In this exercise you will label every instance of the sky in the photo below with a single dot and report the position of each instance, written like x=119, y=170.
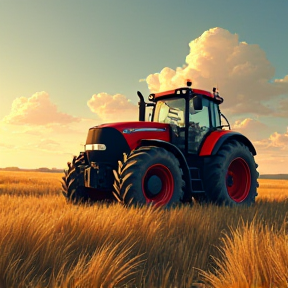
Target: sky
x=66, y=66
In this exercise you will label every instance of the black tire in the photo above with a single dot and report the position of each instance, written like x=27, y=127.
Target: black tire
x=150, y=175
x=230, y=177
x=73, y=182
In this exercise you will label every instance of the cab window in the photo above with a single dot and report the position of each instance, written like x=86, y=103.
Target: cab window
x=199, y=125
x=171, y=111
x=216, y=115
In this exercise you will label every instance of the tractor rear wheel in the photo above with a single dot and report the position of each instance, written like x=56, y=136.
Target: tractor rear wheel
x=150, y=175
x=230, y=177
x=73, y=183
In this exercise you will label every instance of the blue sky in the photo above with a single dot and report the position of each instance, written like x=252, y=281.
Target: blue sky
x=75, y=49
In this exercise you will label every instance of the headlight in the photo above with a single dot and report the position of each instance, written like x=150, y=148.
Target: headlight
x=89, y=147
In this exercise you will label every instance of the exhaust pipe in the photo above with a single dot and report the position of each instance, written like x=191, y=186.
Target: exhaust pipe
x=142, y=106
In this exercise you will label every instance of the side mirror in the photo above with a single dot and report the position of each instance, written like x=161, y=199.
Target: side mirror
x=197, y=102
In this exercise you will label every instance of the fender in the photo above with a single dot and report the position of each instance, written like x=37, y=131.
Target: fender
x=216, y=139
x=181, y=158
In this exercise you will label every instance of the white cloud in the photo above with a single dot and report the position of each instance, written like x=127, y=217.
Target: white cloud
x=285, y=79
x=241, y=71
x=279, y=140
x=113, y=108
x=251, y=128
x=36, y=110
x=272, y=153
x=271, y=147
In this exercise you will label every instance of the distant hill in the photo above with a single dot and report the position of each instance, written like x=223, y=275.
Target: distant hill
x=43, y=169
x=274, y=176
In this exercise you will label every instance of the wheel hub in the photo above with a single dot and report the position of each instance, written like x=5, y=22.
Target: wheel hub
x=238, y=180
x=158, y=185
x=154, y=185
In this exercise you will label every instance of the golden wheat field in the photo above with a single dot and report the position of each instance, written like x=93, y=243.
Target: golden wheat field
x=45, y=242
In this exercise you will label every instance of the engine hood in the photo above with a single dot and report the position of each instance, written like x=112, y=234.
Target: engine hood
x=135, y=124
x=134, y=132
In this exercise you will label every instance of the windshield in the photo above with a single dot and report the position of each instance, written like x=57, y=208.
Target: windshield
x=170, y=111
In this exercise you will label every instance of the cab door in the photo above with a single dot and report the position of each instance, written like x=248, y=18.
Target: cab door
x=198, y=126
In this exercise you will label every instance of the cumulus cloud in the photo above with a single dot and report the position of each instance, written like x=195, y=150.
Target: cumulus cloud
x=36, y=110
x=241, y=71
x=272, y=155
x=275, y=143
x=251, y=128
x=279, y=140
x=271, y=147
x=285, y=79
x=112, y=108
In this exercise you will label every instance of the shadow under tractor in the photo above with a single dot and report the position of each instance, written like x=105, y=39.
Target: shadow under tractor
x=184, y=153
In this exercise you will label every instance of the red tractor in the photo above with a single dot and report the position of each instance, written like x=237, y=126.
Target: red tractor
x=184, y=152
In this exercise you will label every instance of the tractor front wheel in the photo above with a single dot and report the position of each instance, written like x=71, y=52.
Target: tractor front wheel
x=73, y=185
x=230, y=177
x=150, y=175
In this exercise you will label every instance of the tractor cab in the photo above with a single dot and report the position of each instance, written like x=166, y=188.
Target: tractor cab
x=192, y=114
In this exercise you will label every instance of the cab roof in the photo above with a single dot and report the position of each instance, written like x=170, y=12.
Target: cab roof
x=183, y=91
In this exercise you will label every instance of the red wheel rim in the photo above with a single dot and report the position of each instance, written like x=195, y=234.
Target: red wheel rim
x=238, y=180
x=162, y=174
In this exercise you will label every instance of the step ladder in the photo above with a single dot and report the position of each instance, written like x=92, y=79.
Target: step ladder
x=196, y=181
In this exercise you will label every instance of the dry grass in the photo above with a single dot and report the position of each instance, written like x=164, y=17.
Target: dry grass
x=44, y=242
x=273, y=190
x=29, y=183
x=253, y=256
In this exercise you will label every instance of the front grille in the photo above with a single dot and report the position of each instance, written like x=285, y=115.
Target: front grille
x=115, y=144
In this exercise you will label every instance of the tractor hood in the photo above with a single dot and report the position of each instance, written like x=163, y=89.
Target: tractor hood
x=133, y=132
